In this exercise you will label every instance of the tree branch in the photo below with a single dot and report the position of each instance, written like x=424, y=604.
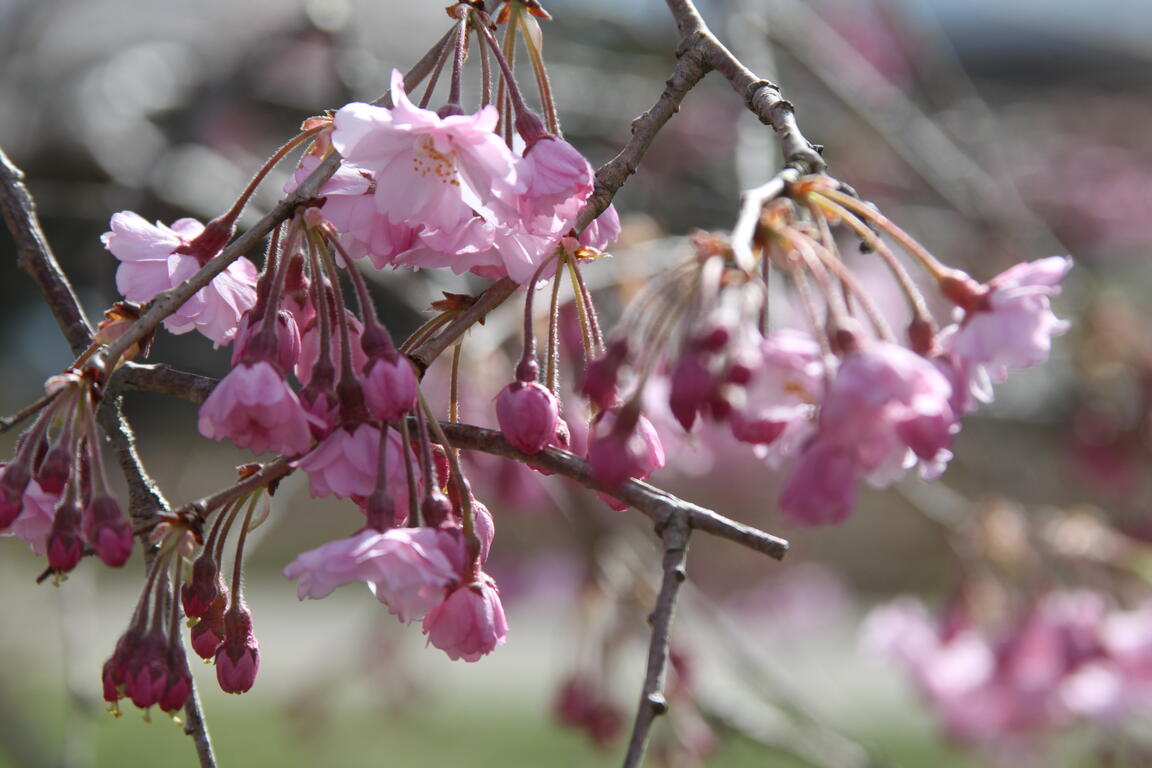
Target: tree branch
x=662, y=507
x=675, y=533
x=37, y=259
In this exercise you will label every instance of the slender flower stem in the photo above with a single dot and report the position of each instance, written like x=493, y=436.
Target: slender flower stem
x=529, y=354
x=535, y=55
x=425, y=331
x=582, y=288
x=909, y=243
x=865, y=233
x=852, y=285
x=518, y=105
x=461, y=49
x=462, y=491
x=279, y=279
x=804, y=292
x=348, y=375
x=582, y=312
x=238, y=207
x=552, y=369
x=323, y=369
x=485, y=69
x=414, y=517
x=454, y=384
x=441, y=61
x=238, y=563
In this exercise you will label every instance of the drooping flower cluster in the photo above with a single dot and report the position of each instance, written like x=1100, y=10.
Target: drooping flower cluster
x=843, y=400
x=54, y=493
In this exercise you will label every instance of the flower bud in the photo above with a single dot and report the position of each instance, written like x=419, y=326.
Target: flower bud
x=390, y=387
x=238, y=657
x=601, y=379
x=65, y=547
x=527, y=413
x=53, y=472
x=198, y=594
x=106, y=530
x=178, y=686
x=208, y=633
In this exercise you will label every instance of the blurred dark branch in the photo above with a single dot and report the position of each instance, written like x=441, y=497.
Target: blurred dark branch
x=674, y=533
x=37, y=259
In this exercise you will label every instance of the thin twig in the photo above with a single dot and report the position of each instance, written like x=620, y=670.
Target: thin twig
x=675, y=533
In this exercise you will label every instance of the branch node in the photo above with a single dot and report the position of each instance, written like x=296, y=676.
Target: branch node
x=657, y=703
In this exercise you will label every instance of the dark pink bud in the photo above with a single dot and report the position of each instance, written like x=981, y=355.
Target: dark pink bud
x=53, y=472
x=624, y=450
x=178, y=686
x=208, y=633
x=527, y=415
x=106, y=530
x=691, y=389
x=115, y=672
x=14, y=479
x=147, y=672
x=238, y=658
x=204, y=588
x=601, y=379
x=390, y=387
x=65, y=547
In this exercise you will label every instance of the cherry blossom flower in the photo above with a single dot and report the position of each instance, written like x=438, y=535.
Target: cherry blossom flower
x=152, y=260
x=1011, y=325
x=786, y=385
x=255, y=408
x=470, y=622
x=886, y=407
x=441, y=173
x=345, y=464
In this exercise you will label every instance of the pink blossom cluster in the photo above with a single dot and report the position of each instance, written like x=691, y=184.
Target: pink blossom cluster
x=419, y=573
x=1073, y=657
x=422, y=190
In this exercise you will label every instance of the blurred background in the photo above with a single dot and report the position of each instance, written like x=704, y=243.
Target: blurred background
x=994, y=132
